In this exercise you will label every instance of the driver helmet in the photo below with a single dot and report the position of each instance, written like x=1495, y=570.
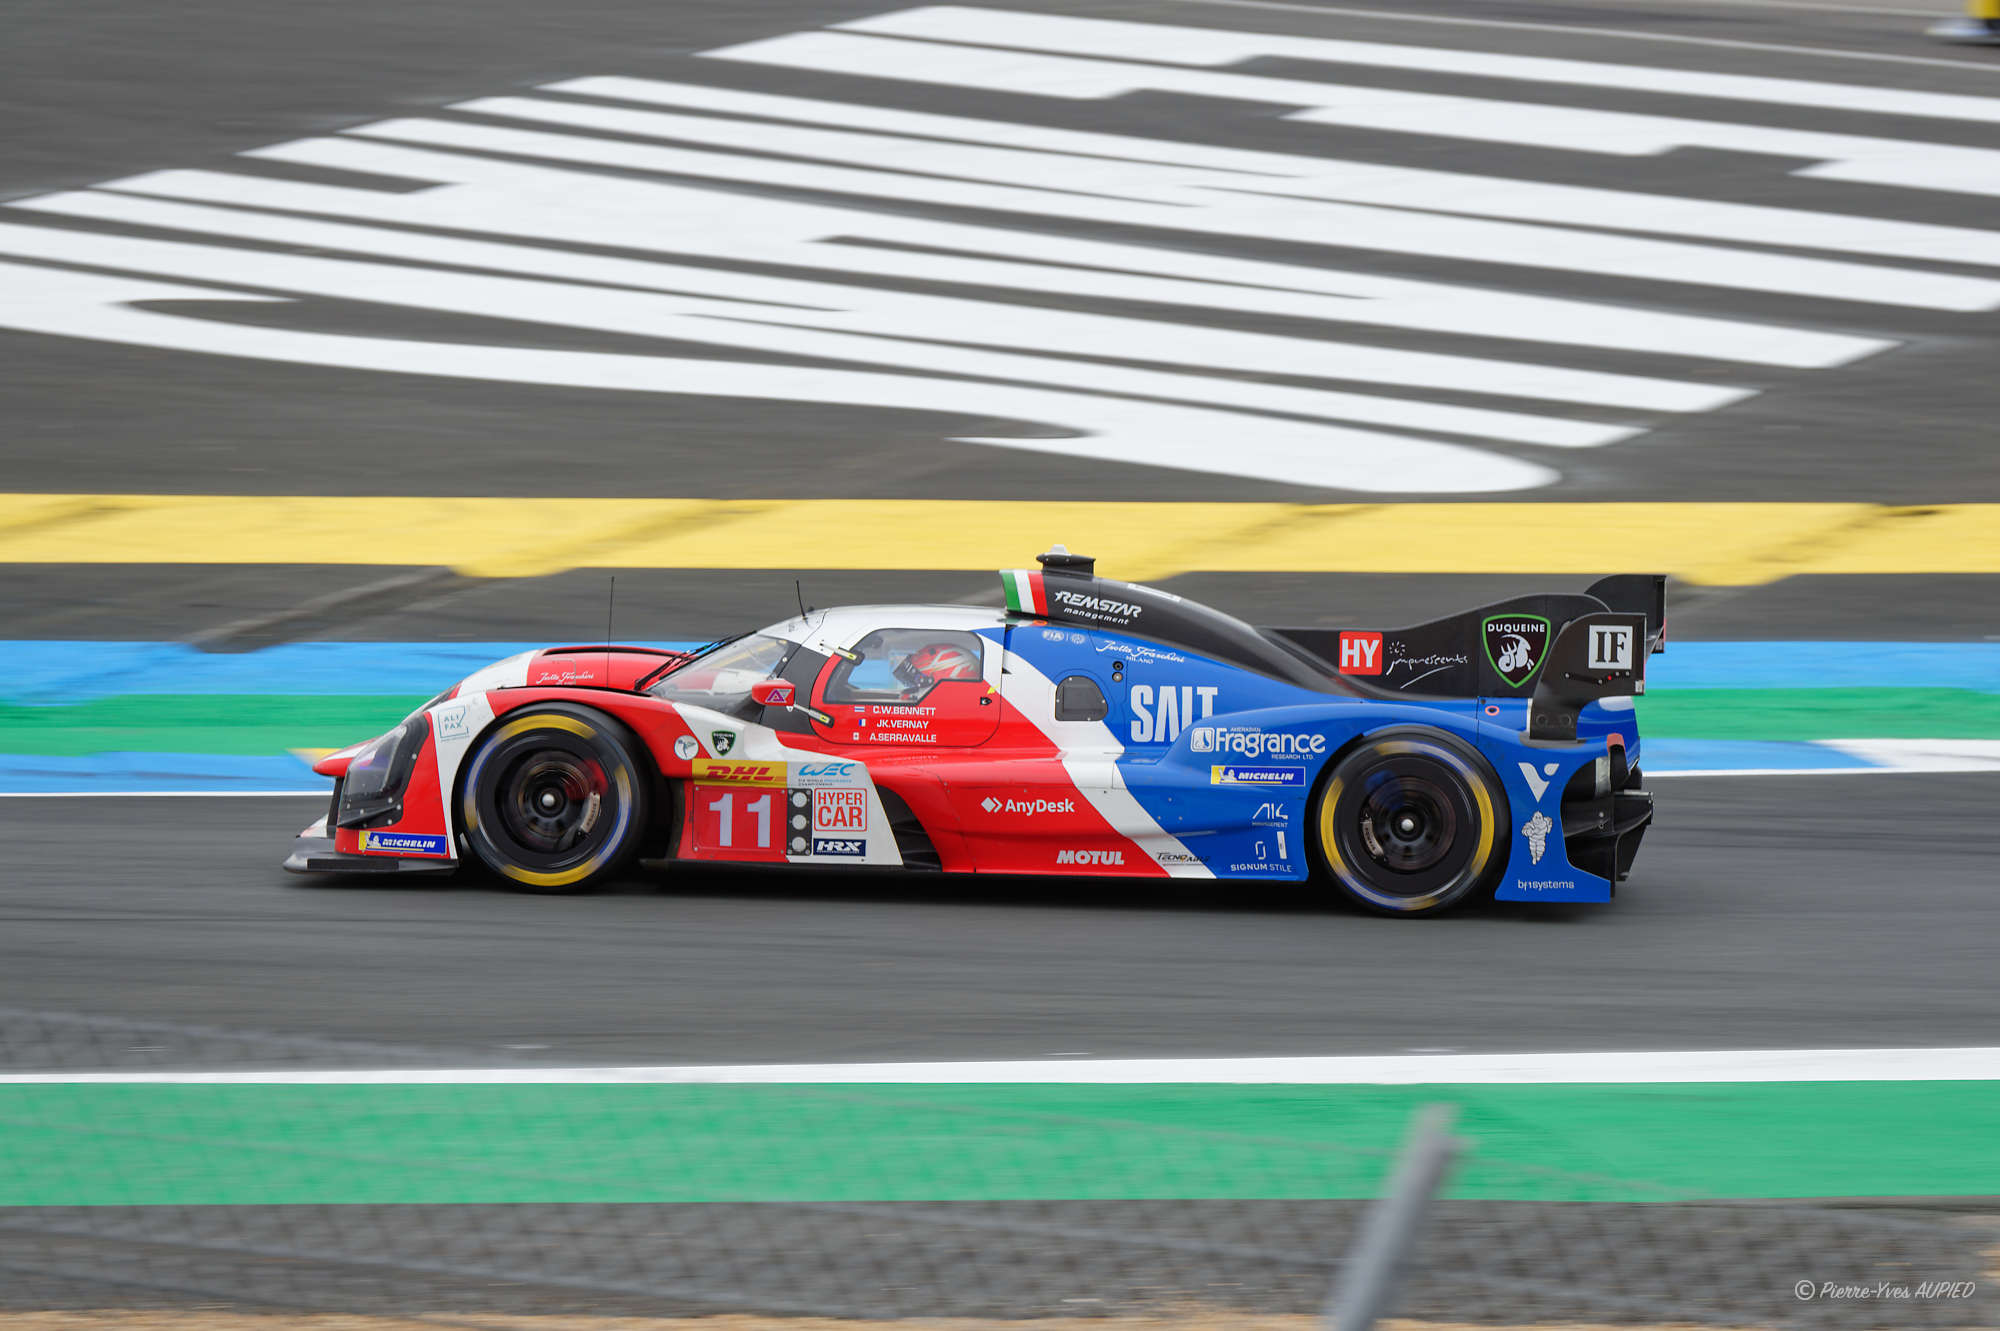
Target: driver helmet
x=936, y=663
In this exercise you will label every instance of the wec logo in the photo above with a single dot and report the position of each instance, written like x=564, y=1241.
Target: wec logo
x=1254, y=743
x=1101, y=857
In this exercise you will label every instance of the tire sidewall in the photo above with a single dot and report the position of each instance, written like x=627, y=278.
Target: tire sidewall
x=608, y=743
x=1341, y=792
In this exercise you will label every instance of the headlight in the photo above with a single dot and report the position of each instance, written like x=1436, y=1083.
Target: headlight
x=375, y=779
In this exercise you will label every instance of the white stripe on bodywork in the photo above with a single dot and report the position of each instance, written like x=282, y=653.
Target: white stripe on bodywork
x=1976, y=1063
x=1089, y=753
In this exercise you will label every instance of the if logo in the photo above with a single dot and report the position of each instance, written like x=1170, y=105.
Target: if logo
x=1610, y=647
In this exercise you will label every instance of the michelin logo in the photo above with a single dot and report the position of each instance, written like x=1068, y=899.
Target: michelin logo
x=401, y=843
x=1537, y=830
x=1252, y=743
x=1257, y=776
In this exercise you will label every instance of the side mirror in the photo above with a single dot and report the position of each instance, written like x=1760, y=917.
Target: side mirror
x=773, y=693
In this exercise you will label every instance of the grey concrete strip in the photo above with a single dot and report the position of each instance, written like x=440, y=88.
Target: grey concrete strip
x=1764, y=913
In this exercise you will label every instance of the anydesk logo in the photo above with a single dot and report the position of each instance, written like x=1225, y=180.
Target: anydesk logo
x=1090, y=857
x=1028, y=808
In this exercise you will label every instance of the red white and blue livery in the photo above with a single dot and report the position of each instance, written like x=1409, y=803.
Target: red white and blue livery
x=1089, y=728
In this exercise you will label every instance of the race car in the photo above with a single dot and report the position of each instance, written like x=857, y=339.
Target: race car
x=1087, y=728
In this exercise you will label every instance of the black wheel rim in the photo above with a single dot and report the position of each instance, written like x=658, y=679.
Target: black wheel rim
x=1406, y=830
x=1407, y=823
x=551, y=802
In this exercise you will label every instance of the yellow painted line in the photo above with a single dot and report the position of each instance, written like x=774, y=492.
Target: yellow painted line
x=1724, y=543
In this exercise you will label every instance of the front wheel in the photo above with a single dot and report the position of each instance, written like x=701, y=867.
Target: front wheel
x=1409, y=822
x=553, y=800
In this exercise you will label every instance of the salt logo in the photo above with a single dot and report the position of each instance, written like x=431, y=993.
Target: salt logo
x=1158, y=717
x=1360, y=653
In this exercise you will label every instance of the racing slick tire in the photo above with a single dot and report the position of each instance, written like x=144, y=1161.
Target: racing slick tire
x=554, y=799
x=1408, y=822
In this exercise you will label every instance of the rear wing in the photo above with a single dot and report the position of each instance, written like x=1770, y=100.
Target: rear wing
x=1561, y=648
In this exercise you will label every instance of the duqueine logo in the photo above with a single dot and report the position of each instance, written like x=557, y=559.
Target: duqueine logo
x=723, y=741
x=1515, y=645
x=1090, y=857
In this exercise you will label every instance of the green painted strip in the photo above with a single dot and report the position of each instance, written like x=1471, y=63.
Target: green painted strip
x=99, y=1144
x=198, y=723
x=273, y=723
x=1820, y=714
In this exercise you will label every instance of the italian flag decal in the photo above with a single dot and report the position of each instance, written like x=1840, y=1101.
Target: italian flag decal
x=1024, y=591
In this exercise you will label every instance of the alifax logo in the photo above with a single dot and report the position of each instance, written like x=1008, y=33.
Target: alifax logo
x=1254, y=743
x=1097, y=857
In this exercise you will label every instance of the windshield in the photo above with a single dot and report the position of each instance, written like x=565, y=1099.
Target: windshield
x=720, y=680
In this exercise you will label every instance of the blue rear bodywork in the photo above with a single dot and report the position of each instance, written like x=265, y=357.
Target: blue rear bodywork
x=1228, y=759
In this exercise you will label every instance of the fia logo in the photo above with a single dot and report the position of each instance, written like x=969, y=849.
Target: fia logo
x=1610, y=647
x=1159, y=716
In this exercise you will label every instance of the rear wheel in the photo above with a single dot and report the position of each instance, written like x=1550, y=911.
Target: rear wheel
x=553, y=799
x=1409, y=822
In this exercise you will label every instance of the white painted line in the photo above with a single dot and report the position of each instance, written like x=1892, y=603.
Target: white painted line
x=1923, y=755
x=1903, y=163
x=1201, y=174
x=1172, y=44
x=1124, y=430
x=1980, y=1063
x=161, y=794
x=1583, y=30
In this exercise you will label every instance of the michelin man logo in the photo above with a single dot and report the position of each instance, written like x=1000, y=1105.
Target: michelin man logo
x=1537, y=830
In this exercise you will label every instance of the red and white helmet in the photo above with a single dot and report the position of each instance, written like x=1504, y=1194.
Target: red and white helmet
x=941, y=661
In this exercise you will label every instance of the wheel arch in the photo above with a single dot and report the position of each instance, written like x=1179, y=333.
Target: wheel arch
x=1495, y=790
x=663, y=801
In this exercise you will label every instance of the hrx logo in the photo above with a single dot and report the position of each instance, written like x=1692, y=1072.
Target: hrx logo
x=1090, y=857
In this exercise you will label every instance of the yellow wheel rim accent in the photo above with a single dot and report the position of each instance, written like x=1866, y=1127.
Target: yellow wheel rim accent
x=1489, y=826
x=559, y=877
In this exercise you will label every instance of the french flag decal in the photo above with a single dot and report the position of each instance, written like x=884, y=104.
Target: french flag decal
x=1024, y=591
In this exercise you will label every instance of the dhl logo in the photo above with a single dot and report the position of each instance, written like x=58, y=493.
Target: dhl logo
x=714, y=771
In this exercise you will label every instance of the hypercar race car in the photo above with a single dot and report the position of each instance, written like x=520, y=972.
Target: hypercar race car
x=1090, y=728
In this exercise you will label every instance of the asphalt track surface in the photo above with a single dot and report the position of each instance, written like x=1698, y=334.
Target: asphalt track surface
x=1763, y=913
x=1849, y=910
x=99, y=89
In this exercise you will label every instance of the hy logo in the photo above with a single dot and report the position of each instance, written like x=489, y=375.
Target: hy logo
x=1539, y=784
x=723, y=740
x=1515, y=644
